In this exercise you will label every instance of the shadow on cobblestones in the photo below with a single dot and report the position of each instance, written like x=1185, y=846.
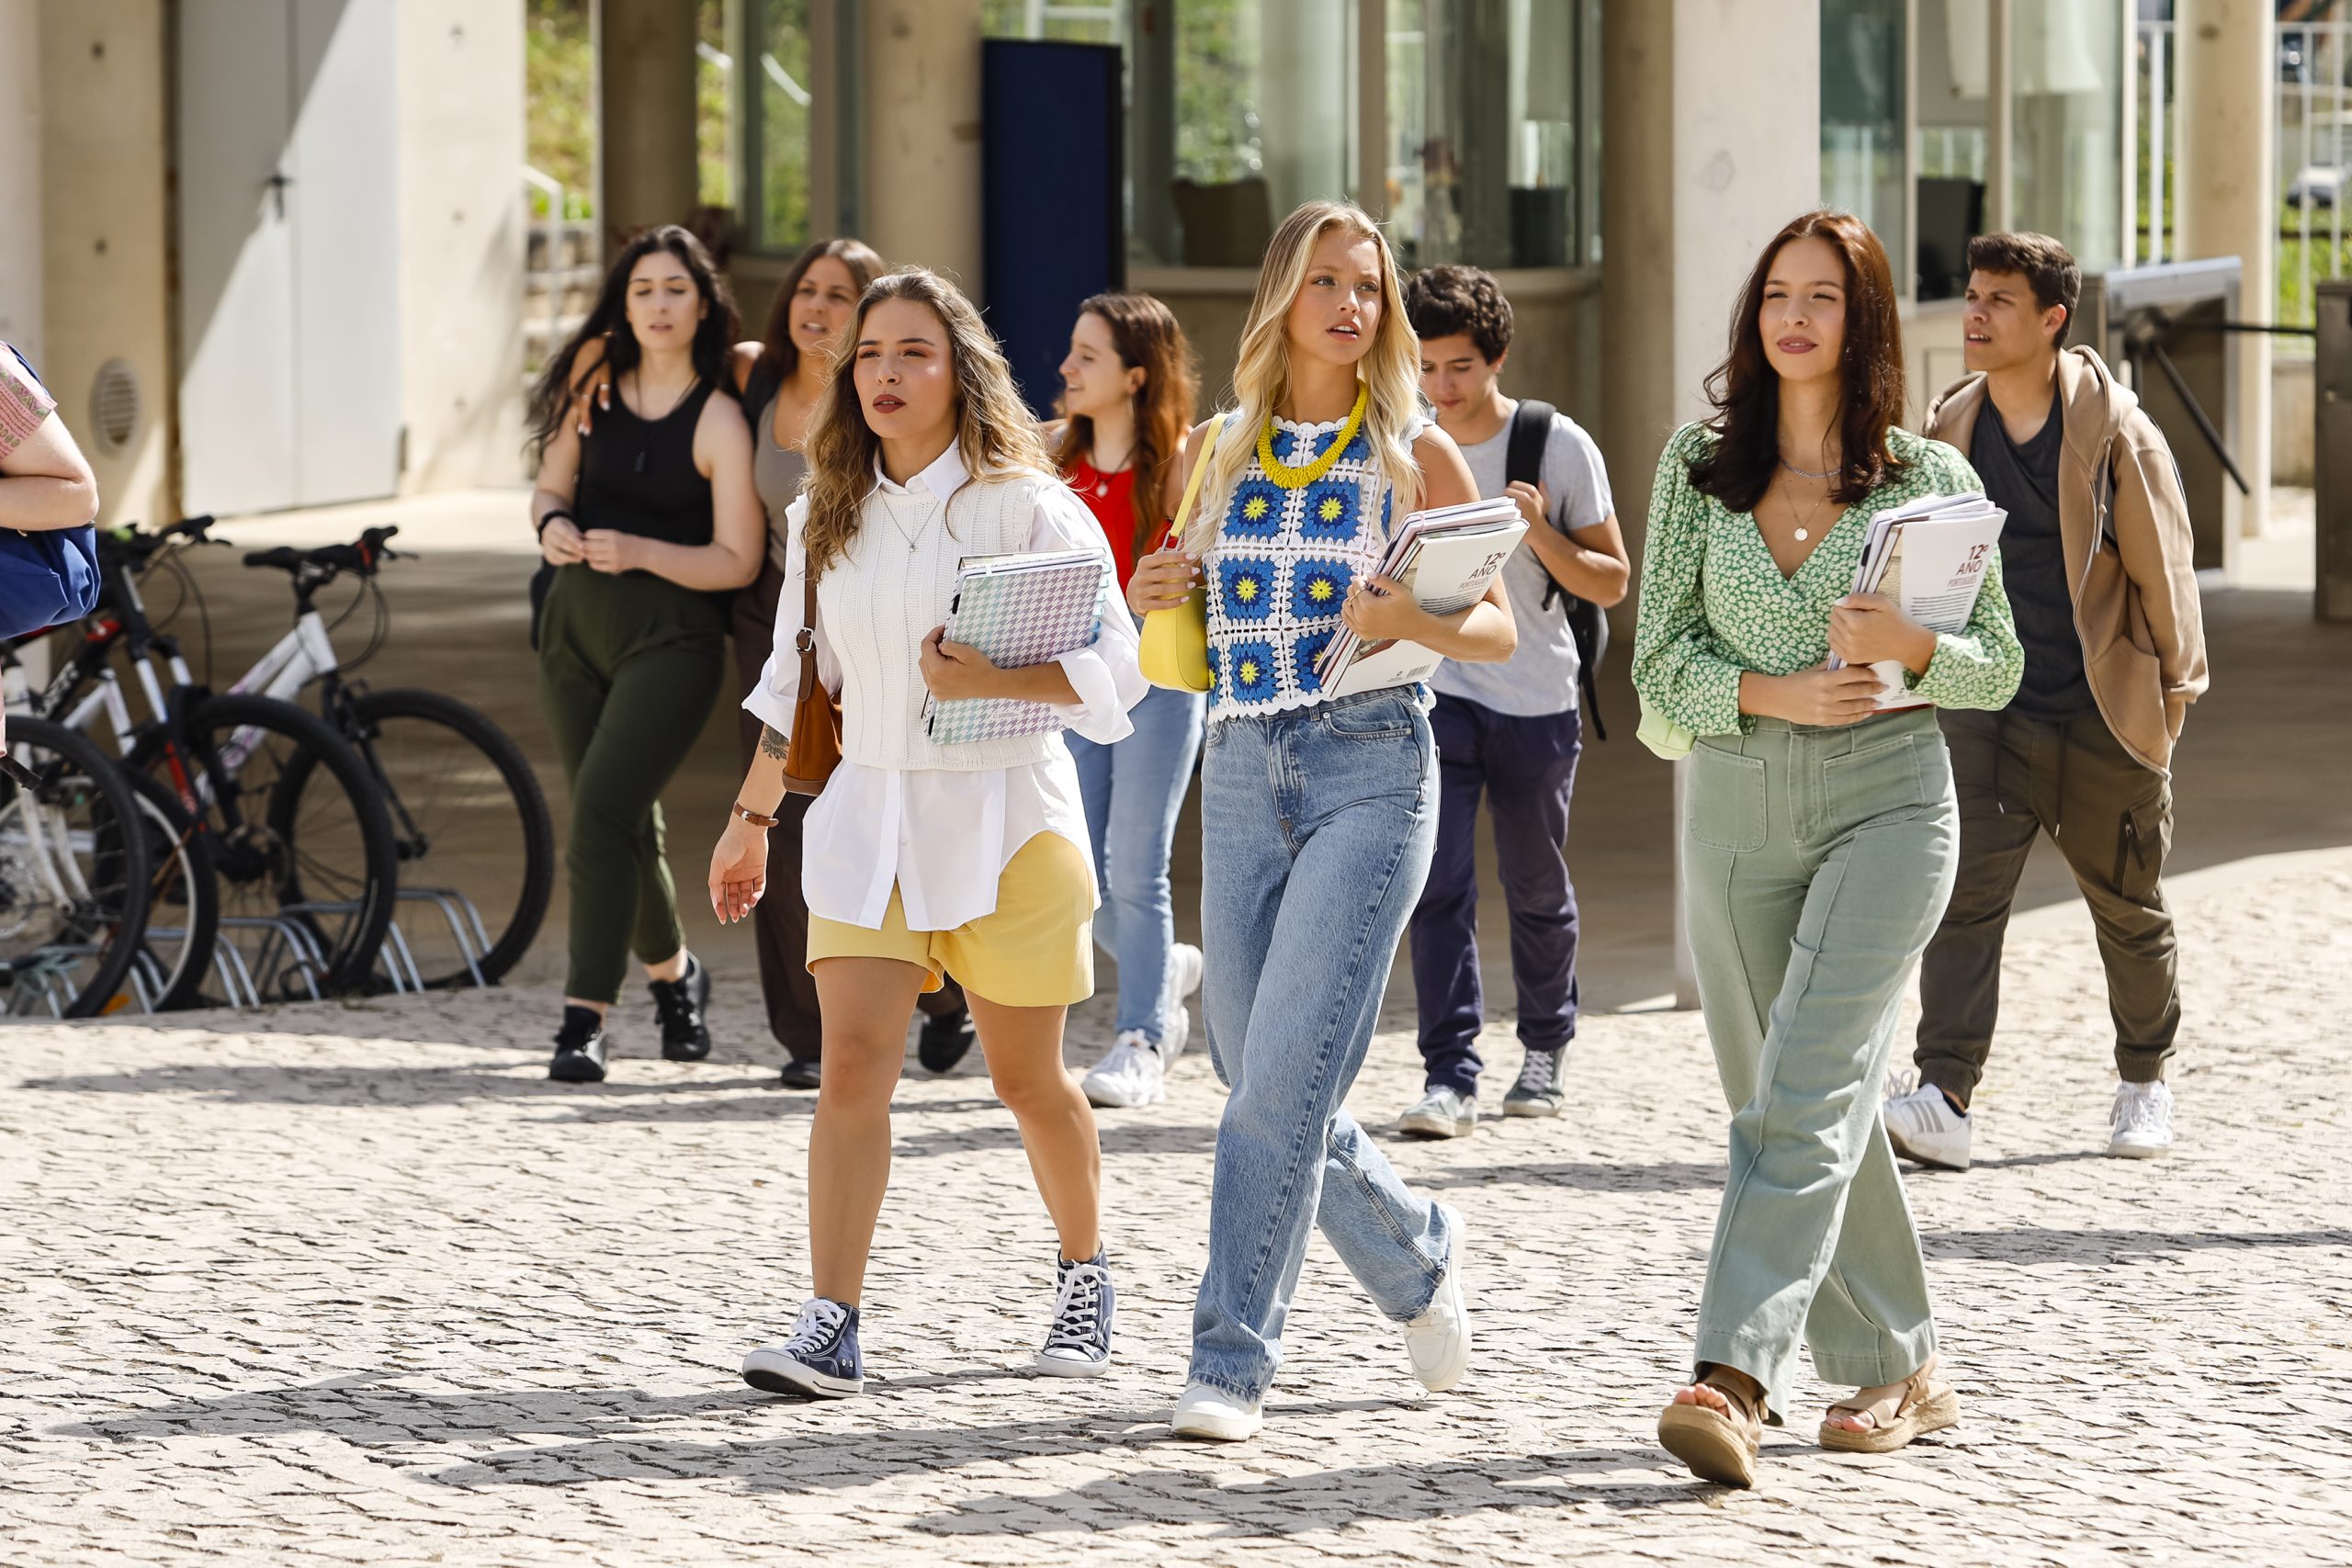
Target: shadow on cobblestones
x=1328, y=1500
x=2106, y=1246
x=1667, y=1177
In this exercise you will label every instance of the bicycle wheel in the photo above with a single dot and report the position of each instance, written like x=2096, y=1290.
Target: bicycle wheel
x=464, y=804
x=183, y=917
x=301, y=846
x=73, y=874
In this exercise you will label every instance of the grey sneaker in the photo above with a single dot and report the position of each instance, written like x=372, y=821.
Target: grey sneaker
x=1537, y=1092
x=1441, y=1114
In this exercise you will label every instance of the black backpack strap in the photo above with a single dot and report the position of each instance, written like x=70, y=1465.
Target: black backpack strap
x=1530, y=427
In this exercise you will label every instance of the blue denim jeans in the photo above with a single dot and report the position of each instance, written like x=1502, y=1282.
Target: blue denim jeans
x=1133, y=792
x=1316, y=827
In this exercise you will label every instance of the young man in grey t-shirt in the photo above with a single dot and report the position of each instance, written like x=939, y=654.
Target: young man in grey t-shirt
x=1510, y=731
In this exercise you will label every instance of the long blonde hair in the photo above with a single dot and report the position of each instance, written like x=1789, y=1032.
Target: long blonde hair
x=1391, y=367
x=994, y=429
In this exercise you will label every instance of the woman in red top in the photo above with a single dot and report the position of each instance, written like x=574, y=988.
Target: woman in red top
x=1128, y=393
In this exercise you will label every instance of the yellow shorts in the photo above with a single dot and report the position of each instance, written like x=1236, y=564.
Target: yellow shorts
x=1035, y=950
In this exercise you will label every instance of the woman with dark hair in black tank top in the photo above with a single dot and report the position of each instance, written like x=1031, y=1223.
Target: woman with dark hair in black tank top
x=649, y=520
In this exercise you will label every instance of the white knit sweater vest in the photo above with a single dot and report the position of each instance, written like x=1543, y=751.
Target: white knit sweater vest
x=877, y=604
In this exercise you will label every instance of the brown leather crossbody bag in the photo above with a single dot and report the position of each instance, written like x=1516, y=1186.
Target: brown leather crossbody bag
x=815, y=750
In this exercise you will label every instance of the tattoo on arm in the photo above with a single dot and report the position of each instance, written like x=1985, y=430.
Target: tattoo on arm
x=773, y=744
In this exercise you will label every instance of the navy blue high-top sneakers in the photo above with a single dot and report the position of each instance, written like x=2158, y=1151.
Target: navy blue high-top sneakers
x=1078, y=1342
x=819, y=1359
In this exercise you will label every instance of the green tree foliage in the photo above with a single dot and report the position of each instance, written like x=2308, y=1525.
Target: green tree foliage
x=559, y=84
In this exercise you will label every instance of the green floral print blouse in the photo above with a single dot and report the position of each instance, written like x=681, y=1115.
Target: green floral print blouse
x=1714, y=605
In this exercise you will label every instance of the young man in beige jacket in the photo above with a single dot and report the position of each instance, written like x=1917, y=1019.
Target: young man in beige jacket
x=2097, y=559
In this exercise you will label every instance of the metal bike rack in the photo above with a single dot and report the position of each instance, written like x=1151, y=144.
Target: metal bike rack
x=473, y=944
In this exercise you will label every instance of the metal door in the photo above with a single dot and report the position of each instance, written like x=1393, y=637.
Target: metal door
x=289, y=238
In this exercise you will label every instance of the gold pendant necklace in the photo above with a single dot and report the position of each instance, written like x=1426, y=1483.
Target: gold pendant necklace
x=1299, y=477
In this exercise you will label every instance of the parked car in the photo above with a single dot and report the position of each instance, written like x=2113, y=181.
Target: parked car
x=2318, y=184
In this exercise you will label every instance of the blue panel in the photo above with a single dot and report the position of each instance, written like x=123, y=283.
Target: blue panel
x=1052, y=199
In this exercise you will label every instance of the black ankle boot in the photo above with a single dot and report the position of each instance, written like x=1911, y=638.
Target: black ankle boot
x=678, y=1003
x=579, y=1047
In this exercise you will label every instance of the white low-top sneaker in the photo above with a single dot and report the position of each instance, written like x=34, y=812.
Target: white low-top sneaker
x=1133, y=1073
x=2141, y=1121
x=1922, y=1125
x=1438, y=1342
x=1440, y=1113
x=1185, y=965
x=1213, y=1414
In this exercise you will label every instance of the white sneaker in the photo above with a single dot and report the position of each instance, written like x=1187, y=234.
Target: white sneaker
x=1132, y=1074
x=1438, y=1342
x=1922, y=1125
x=1440, y=1113
x=2142, y=1120
x=1213, y=1414
x=1184, y=967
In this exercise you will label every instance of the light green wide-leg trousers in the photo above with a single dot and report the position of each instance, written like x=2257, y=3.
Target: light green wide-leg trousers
x=1816, y=864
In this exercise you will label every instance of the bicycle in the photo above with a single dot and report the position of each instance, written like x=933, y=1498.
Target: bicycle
x=461, y=794
x=75, y=874
x=294, y=836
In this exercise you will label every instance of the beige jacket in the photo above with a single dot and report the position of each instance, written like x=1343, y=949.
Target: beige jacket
x=2130, y=557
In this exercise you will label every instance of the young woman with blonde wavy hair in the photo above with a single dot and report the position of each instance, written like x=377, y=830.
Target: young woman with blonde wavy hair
x=1317, y=814
x=923, y=859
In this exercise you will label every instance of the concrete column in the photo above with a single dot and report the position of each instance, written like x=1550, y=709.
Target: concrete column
x=922, y=135
x=645, y=154
x=2228, y=204
x=1712, y=141
x=20, y=225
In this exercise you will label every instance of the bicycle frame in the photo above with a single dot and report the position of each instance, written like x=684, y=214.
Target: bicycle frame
x=300, y=657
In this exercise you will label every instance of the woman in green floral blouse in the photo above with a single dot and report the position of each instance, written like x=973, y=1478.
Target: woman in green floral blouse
x=1819, y=836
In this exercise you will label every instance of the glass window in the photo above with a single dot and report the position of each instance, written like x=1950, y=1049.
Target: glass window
x=1955, y=64
x=1488, y=107
x=781, y=96
x=1264, y=119
x=1069, y=23
x=1863, y=159
x=2066, y=125
x=716, y=139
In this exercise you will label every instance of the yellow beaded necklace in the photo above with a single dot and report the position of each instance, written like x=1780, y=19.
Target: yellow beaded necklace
x=1299, y=477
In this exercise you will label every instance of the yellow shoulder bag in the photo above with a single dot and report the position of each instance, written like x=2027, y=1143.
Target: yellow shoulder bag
x=1175, y=651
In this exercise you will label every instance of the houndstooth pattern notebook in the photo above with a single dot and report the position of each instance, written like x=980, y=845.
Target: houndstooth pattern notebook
x=1019, y=609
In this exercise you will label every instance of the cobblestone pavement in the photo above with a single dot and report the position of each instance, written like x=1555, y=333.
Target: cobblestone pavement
x=358, y=1285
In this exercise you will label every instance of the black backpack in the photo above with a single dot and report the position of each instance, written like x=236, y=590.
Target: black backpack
x=1530, y=427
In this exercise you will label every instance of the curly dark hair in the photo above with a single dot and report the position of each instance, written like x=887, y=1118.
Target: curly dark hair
x=1442, y=300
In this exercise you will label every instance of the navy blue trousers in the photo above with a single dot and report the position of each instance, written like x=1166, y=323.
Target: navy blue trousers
x=1526, y=768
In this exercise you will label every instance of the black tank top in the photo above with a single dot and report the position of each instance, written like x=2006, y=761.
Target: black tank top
x=638, y=477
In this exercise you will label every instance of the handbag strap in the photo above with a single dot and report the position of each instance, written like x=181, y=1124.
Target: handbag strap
x=1181, y=532
x=806, y=641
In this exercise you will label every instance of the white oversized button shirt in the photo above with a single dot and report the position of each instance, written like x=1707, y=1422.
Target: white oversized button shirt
x=942, y=837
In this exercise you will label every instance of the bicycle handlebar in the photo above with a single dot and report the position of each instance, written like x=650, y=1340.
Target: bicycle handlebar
x=360, y=556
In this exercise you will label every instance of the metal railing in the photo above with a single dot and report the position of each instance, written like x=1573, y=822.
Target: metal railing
x=2311, y=142
x=559, y=256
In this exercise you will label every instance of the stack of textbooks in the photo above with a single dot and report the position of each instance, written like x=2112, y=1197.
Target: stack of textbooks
x=1019, y=609
x=1929, y=557
x=1445, y=559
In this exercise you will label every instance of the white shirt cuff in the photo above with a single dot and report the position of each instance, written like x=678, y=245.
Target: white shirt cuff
x=770, y=706
x=1100, y=713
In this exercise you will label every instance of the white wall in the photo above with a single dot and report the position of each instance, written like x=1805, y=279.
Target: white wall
x=461, y=132
x=21, y=222
x=105, y=253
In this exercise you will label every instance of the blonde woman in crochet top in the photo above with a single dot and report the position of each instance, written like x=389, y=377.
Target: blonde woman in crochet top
x=923, y=859
x=1317, y=814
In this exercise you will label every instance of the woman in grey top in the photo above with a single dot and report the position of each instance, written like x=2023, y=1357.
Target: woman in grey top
x=782, y=377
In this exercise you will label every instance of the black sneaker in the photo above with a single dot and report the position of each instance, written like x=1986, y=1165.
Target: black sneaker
x=1078, y=1342
x=944, y=1040
x=579, y=1048
x=679, y=1004
x=799, y=1073
x=818, y=1360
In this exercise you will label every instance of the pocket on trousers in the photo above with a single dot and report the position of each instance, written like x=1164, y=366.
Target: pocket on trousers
x=1875, y=779
x=1389, y=719
x=1724, y=807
